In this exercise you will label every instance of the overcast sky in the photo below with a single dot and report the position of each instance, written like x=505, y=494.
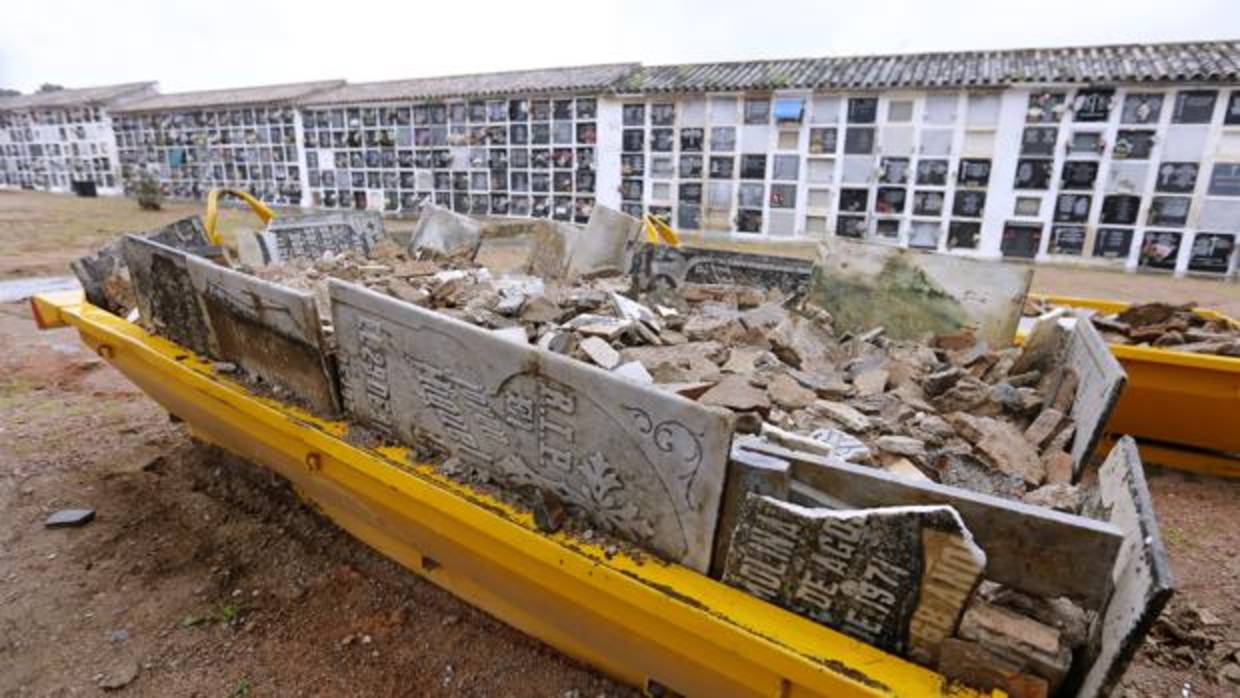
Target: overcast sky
x=229, y=43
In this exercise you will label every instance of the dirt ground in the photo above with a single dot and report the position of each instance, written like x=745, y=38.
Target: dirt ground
x=203, y=576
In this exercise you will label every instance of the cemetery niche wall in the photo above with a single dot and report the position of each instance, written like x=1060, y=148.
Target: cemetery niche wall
x=523, y=144
x=63, y=140
x=245, y=139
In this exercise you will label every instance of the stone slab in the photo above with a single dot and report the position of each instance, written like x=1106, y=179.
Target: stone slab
x=269, y=330
x=1035, y=550
x=913, y=293
x=748, y=473
x=312, y=235
x=1142, y=575
x=641, y=462
x=69, y=518
x=605, y=242
x=655, y=265
x=1101, y=382
x=897, y=578
x=165, y=294
x=104, y=276
x=446, y=232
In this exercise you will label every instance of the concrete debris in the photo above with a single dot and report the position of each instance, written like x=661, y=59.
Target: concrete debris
x=737, y=394
x=600, y=352
x=1031, y=646
x=785, y=392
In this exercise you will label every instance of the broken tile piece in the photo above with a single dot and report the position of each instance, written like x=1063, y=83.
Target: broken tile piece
x=633, y=371
x=843, y=445
x=896, y=578
x=1002, y=445
x=788, y=394
x=1034, y=647
x=871, y=382
x=844, y=415
x=70, y=518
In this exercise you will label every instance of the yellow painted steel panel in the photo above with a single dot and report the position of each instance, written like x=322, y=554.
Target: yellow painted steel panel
x=645, y=622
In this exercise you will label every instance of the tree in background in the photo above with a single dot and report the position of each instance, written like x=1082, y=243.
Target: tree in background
x=50, y=87
x=6, y=92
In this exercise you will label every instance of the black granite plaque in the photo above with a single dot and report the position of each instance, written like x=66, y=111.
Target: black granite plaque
x=1072, y=208
x=1113, y=242
x=1021, y=240
x=1045, y=107
x=890, y=200
x=1176, y=177
x=1225, y=180
x=932, y=172
x=854, y=200
x=1133, y=145
x=1079, y=175
x=1212, y=252
x=927, y=203
x=1141, y=108
x=973, y=173
x=1067, y=239
x=1038, y=140
x=1231, y=117
x=1194, y=106
x=1093, y=104
x=969, y=203
x=1034, y=173
x=862, y=110
x=1120, y=209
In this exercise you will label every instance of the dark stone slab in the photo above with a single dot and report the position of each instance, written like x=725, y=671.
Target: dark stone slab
x=313, y=235
x=749, y=472
x=70, y=518
x=640, y=462
x=661, y=265
x=1142, y=575
x=105, y=278
x=1032, y=549
x=897, y=578
x=164, y=293
x=271, y=331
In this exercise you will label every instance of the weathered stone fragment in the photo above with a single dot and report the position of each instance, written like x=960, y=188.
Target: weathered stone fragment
x=842, y=414
x=165, y=294
x=634, y=372
x=1002, y=445
x=640, y=462
x=939, y=382
x=871, y=382
x=1034, y=647
x=1044, y=427
x=105, y=277
x=977, y=667
x=445, y=232
x=896, y=578
x=843, y=445
x=901, y=445
x=788, y=394
x=1060, y=497
x=738, y=394
x=1043, y=347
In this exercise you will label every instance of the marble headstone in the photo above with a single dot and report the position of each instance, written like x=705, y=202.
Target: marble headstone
x=672, y=266
x=1102, y=380
x=897, y=578
x=641, y=463
x=313, y=235
x=271, y=331
x=445, y=231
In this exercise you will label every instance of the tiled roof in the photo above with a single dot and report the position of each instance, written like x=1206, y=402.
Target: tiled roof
x=266, y=94
x=590, y=78
x=1198, y=61
x=77, y=97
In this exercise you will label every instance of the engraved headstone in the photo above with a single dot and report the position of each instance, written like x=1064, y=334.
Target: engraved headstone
x=642, y=463
x=897, y=578
x=1033, y=549
x=1142, y=575
x=165, y=294
x=311, y=236
x=662, y=265
x=271, y=331
x=104, y=277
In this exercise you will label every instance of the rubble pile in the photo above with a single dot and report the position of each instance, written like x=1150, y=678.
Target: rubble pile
x=957, y=464
x=1165, y=326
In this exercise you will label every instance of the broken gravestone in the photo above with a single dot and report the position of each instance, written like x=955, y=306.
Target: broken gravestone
x=313, y=235
x=1101, y=380
x=164, y=293
x=1142, y=575
x=914, y=293
x=445, y=232
x=897, y=578
x=271, y=331
x=640, y=462
x=668, y=267
x=105, y=278
x=564, y=251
